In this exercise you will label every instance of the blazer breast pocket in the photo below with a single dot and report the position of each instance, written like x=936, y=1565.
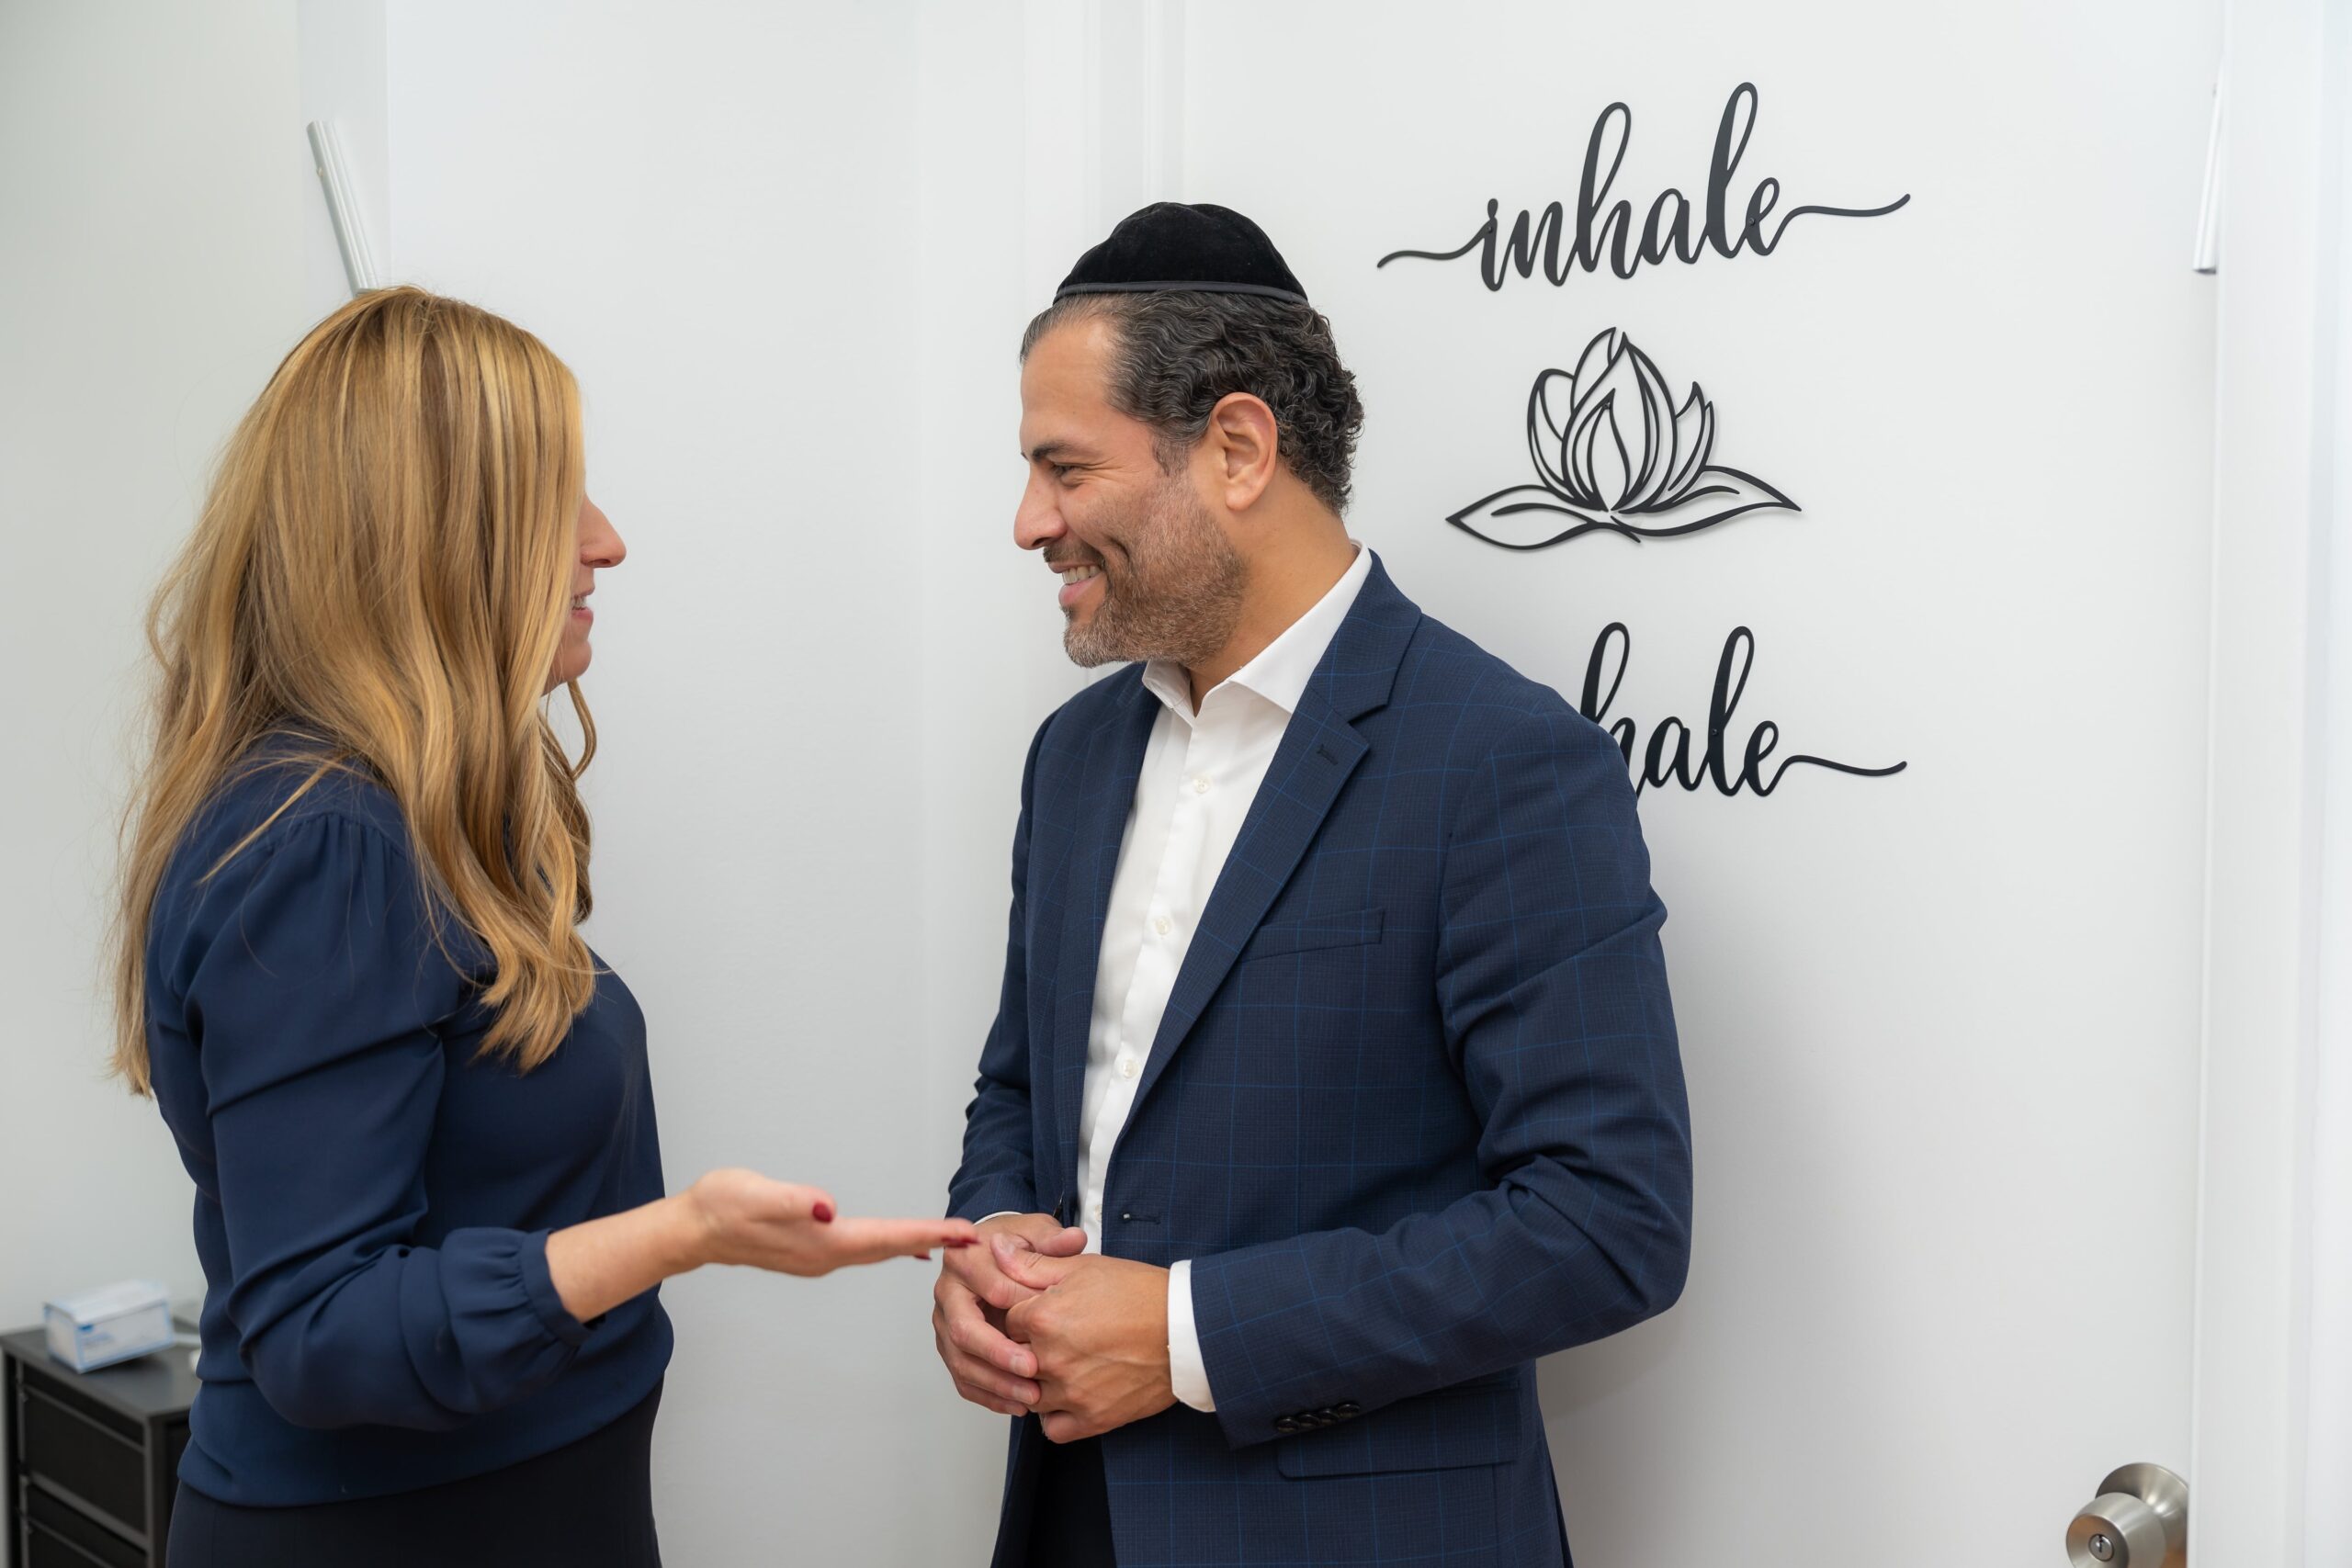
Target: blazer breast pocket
x=1475, y=1423
x=1353, y=928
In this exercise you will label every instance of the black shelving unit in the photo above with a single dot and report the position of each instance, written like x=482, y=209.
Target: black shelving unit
x=92, y=1457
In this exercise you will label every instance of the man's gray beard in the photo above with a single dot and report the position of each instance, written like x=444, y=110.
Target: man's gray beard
x=1179, y=597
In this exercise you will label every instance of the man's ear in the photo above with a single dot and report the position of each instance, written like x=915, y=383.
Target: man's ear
x=1244, y=440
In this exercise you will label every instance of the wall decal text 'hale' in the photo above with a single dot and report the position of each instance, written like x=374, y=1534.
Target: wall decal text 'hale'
x=1667, y=758
x=1665, y=232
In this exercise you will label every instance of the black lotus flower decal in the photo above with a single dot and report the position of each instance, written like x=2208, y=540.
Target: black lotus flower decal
x=1614, y=453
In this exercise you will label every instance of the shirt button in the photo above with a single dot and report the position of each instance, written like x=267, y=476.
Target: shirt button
x=1128, y=1067
x=1162, y=924
x=1201, y=785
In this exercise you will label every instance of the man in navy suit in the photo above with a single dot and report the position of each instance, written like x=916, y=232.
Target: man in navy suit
x=1334, y=1078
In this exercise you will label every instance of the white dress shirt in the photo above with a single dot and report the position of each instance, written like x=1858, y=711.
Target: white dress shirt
x=1200, y=771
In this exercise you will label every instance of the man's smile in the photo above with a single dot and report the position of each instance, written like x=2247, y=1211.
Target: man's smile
x=1074, y=581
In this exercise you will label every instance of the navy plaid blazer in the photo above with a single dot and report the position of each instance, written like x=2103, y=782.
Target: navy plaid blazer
x=1415, y=1109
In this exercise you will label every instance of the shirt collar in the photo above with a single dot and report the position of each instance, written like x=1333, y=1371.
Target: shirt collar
x=1283, y=666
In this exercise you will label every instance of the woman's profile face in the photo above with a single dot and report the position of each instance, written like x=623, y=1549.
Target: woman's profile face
x=596, y=544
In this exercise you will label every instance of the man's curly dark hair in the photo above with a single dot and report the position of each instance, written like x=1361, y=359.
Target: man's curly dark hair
x=1181, y=350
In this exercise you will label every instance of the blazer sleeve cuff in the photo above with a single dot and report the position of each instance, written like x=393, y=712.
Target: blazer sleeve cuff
x=1002, y=1195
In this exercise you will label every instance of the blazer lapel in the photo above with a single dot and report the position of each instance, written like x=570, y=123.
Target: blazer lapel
x=1114, y=763
x=1319, y=752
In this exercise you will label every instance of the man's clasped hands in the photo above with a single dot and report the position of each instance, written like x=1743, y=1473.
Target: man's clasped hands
x=1031, y=1321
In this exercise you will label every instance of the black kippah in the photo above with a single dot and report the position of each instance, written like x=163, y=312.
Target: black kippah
x=1171, y=244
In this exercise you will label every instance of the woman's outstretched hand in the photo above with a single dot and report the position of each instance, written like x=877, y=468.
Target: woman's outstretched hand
x=729, y=1216
x=746, y=1218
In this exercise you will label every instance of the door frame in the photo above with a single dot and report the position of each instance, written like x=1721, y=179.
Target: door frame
x=2266, y=748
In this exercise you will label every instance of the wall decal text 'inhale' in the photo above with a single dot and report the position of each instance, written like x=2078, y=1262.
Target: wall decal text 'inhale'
x=1601, y=225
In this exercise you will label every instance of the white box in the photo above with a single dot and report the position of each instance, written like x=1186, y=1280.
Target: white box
x=113, y=1323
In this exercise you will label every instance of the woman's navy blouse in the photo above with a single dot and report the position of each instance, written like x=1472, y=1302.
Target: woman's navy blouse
x=373, y=1197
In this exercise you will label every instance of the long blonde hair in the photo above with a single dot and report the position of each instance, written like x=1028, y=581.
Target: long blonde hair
x=383, y=564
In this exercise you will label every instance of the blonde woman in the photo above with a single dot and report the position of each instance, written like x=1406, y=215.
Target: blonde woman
x=428, y=1194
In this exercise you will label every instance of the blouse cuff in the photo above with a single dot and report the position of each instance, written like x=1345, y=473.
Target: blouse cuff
x=538, y=1286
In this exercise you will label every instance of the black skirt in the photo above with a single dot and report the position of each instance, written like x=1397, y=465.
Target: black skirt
x=591, y=1502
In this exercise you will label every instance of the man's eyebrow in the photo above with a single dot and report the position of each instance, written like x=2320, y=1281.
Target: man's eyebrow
x=1048, y=451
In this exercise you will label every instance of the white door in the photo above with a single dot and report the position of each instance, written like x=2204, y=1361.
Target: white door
x=1941, y=1024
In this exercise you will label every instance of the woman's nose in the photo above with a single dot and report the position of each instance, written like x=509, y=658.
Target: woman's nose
x=600, y=542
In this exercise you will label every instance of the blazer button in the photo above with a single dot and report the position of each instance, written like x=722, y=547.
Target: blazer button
x=1348, y=1411
x=1285, y=1425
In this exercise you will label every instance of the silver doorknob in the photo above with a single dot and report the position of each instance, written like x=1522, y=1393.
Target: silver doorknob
x=2140, y=1519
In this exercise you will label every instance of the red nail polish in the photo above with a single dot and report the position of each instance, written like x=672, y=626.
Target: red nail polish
x=822, y=1213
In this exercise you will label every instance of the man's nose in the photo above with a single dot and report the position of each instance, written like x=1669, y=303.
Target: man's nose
x=1036, y=522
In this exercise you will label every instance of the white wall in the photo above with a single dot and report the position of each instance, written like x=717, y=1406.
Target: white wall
x=2328, y=1517
x=151, y=177
x=783, y=259
x=719, y=219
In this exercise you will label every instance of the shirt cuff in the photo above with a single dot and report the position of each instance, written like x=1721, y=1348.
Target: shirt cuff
x=1000, y=1213
x=1187, y=1374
